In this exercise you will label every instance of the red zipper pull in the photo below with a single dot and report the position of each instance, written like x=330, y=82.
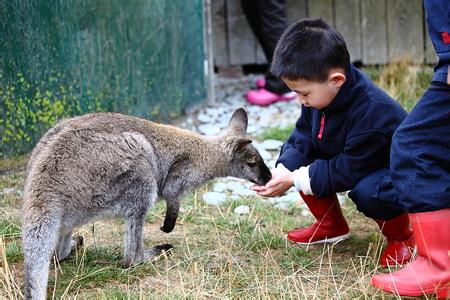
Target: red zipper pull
x=322, y=126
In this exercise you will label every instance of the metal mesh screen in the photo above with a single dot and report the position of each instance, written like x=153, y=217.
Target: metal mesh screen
x=65, y=57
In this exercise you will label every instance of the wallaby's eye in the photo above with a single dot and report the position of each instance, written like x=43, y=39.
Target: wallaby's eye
x=251, y=164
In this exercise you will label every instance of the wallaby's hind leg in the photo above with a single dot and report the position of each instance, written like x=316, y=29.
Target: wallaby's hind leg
x=134, y=214
x=134, y=243
x=157, y=250
x=67, y=244
x=39, y=243
x=134, y=240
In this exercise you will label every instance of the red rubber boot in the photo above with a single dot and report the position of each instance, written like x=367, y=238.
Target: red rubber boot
x=330, y=226
x=429, y=273
x=400, y=241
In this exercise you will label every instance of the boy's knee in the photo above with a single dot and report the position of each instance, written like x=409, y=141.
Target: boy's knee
x=375, y=196
x=361, y=195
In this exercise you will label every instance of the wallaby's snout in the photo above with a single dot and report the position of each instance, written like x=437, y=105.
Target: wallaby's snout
x=265, y=174
x=248, y=164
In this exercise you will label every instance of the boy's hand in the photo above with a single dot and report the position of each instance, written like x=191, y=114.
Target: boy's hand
x=282, y=180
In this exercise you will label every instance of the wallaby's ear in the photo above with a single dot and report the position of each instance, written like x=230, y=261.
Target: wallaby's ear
x=239, y=122
x=240, y=143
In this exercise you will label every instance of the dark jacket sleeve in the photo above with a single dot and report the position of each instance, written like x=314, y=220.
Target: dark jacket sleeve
x=298, y=150
x=362, y=155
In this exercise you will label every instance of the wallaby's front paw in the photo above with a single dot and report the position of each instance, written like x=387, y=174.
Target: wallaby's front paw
x=167, y=229
x=169, y=223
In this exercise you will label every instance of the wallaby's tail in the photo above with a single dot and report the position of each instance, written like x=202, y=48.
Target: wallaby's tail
x=39, y=238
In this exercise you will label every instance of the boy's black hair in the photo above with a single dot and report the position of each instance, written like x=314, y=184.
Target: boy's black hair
x=308, y=50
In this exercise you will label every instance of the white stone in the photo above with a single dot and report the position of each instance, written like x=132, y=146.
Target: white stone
x=214, y=198
x=258, y=146
x=291, y=198
x=8, y=190
x=213, y=112
x=265, y=154
x=342, y=197
x=204, y=118
x=282, y=206
x=208, y=129
x=222, y=124
x=253, y=110
x=242, y=210
x=271, y=144
x=271, y=164
x=220, y=187
x=235, y=197
x=251, y=129
x=266, y=202
x=234, y=185
x=305, y=213
x=244, y=192
x=272, y=201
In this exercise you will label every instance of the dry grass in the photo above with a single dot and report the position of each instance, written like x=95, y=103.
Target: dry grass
x=217, y=254
x=402, y=80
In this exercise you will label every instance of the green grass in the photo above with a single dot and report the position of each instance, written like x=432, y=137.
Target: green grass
x=280, y=134
x=9, y=227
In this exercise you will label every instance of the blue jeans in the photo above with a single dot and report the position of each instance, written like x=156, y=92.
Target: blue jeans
x=420, y=153
x=375, y=196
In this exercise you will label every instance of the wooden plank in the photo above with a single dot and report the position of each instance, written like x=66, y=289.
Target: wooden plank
x=241, y=41
x=260, y=57
x=348, y=23
x=219, y=39
x=321, y=9
x=296, y=10
x=405, y=30
x=374, y=35
x=430, y=53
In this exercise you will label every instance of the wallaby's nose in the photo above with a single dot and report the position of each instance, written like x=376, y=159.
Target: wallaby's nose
x=266, y=175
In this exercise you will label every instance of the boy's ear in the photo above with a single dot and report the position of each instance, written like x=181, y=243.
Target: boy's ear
x=239, y=122
x=337, y=79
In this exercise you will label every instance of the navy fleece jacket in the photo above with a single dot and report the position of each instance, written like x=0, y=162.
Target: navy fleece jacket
x=347, y=140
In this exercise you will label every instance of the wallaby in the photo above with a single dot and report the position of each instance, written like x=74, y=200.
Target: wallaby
x=104, y=165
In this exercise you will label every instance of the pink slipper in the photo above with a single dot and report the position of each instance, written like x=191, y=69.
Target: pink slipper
x=261, y=83
x=263, y=97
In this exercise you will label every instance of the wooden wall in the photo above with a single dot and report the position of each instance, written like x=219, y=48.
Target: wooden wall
x=376, y=31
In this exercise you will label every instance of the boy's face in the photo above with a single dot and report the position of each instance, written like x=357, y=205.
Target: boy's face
x=317, y=94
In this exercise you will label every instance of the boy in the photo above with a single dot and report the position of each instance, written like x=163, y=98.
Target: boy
x=340, y=142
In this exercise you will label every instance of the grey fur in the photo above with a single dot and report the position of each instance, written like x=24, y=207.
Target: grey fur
x=105, y=165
